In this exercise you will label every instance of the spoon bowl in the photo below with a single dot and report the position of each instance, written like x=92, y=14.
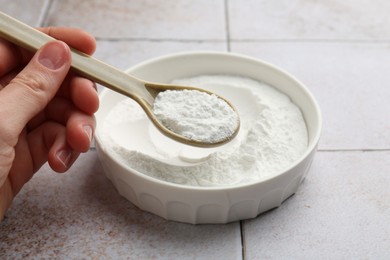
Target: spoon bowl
x=143, y=92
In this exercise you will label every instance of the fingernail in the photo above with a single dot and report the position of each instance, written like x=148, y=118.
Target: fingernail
x=64, y=156
x=53, y=55
x=88, y=130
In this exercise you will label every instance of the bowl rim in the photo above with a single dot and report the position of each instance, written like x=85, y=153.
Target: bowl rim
x=310, y=148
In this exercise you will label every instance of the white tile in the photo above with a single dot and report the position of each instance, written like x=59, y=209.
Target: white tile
x=350, y=82
x=171, y=19
x=30, y=12
x=80, y=215
x=340, y=212
x=124, y=54
x=301, y=19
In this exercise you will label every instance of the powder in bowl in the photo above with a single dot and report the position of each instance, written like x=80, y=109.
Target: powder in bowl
x=196, y=115
x=272, y=137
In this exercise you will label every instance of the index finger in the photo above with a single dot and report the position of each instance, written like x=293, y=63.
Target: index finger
x=74, y=37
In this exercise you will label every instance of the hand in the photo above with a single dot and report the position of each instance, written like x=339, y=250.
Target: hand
x=46, y=112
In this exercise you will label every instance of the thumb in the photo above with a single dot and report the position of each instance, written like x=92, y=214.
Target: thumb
x=32, y=89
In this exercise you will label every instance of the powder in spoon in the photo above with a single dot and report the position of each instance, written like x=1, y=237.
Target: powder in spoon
x=196, y=115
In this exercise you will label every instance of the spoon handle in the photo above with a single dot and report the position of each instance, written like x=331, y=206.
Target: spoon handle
x=87, y=66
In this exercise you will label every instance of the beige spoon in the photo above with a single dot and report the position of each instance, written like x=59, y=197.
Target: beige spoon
x=141, y=91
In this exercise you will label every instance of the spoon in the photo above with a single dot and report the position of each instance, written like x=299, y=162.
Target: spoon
x=143, y=92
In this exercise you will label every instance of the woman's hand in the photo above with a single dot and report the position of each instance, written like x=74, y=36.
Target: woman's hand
x=46, y=112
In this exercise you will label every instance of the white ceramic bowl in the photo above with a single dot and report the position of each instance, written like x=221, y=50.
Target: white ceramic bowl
x=211, y=204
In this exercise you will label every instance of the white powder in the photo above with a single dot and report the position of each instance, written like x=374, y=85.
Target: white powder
x=196, y=115
x=272, y=136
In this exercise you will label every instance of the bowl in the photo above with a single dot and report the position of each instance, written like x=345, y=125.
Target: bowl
x=211, y=205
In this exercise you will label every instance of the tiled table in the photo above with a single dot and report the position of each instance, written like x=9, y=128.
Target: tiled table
x=340, y=49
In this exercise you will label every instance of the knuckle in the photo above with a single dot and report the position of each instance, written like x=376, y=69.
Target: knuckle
x=31, y=82
x=34, y=84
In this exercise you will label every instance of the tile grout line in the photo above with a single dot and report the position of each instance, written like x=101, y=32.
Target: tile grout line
x=44, y=13
x=305, y=40
x=355, y=150
x=243, y=251
x=229, y=40
x=157, y=40
x=227, y=25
